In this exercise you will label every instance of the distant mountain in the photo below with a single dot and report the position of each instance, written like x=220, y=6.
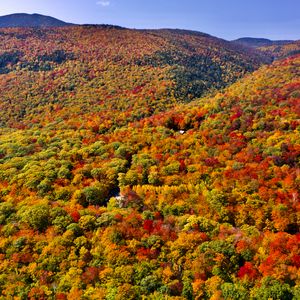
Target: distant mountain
x=260, y=42
x=30, y=20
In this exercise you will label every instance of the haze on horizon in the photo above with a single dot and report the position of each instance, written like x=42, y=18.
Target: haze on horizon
x=231, y=19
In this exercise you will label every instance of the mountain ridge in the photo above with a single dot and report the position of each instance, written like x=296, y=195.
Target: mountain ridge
x=40, y=20
x=260, y=42
x=30, y=20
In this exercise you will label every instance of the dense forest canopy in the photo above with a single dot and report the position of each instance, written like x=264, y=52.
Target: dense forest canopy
x=132, y=168
x=90, y=71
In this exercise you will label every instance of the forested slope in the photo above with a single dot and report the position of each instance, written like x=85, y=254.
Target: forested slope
x=80, y=75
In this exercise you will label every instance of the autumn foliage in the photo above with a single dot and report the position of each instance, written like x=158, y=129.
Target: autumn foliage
x=117, y=182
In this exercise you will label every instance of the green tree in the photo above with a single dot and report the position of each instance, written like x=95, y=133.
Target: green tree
x=37, y=216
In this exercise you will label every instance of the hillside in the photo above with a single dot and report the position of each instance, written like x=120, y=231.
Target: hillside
x=30, y=20
x=65, y=75
x=117, y=182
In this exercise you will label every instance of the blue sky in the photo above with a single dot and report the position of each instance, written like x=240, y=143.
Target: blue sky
x=229, y=19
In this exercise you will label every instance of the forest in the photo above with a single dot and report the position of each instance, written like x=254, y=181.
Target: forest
x=147, y=164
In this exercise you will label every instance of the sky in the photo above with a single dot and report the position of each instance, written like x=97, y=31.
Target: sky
x=228, y=19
